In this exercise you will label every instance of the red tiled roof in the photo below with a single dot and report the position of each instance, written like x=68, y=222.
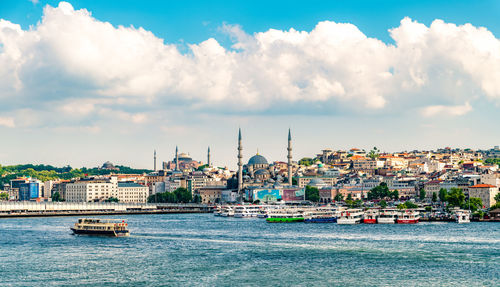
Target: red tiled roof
x=482, y=186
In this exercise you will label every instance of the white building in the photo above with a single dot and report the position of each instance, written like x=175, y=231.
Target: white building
x=131, y=192
x=92, y=190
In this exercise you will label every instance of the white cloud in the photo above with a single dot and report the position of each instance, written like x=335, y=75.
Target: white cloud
x=7, y=122
x=440, y=110
x=78, y=66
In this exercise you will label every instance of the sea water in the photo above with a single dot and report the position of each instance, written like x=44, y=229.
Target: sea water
x=200, y=249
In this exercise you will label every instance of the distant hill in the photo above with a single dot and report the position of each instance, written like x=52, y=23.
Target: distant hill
x=48, y=172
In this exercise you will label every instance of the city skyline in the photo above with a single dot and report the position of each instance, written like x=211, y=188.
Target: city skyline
x=77, y=88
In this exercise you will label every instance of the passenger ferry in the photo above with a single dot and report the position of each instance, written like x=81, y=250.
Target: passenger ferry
x=408, y=217
x=387, y=216
x=350, y=216
x=245, y=211
x=97, y=226
x=218, y=211
x=370, y=216
x=285, y=215
x=462, y=216
x=227, y=211
x=320, y=215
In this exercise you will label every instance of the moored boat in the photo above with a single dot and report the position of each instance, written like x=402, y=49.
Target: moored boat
x=387, y=216
x=246, y=211
x=320, y=215
x=98, y=226
x=462, y=216
x=227, y=211
x=285, y=216
x=350, y=216
x=370, y=216
x=408, y=216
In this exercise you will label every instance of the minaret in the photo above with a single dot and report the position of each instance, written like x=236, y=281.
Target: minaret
x=155, y=161
x=289, y=157
x=208, y=157
x=240, y=163
x=176, y=158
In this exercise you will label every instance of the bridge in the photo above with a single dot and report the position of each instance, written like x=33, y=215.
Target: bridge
x=30, y=209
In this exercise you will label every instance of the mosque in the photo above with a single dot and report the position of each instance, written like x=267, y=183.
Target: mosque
x=258, y=169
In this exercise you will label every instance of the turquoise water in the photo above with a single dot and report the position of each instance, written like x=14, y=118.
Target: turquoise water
x=200, y=249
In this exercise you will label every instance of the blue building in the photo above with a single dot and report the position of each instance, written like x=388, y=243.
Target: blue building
x=29, y=190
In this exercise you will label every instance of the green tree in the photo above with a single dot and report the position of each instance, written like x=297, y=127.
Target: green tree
x=183, y=195
x=339, y=197
x=456, y=197
x=383, y=204
x=434, y=197
x=422, y=194
x=349, y=197
x=307, y=161
x=112, y=199
x=497, y=197
x=374, y=153
x=410, y=204
x=474, y=203
x=443, y=194
x=4, y=196
x=56, y=196
x=401, y=206
x=428, y=208
x=312, y=193
x=395, y=194
x=380, y=191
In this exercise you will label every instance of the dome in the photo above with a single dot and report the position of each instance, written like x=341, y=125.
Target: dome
x=316, y=181
x=257, y=159
x=261, y=172
x=184, y=157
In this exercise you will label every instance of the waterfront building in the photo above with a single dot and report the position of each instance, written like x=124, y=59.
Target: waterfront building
x=302, y=181
x=30, y=190
x=91, y=190
x=211, y=194
x=485, y=192
x=130, y=192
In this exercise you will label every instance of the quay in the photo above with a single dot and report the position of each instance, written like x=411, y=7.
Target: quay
x=42, y=209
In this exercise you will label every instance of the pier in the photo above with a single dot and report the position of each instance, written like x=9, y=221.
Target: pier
x=33, y=209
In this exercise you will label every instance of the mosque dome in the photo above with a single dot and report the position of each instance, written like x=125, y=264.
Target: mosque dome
x=316, y=181
x=262, y=172
x=184, y=157
x=257, y=159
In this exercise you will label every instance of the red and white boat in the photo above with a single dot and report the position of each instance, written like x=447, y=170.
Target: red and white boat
x=370, y=216
x=387, y=216
x=408, y=216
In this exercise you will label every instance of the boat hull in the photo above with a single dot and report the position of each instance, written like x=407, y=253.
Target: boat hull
x=110, y=233
x=407, y=221
x=386, y=221
x=285, y=220
x=348, y=221
x=321, y=220
x=369, y=221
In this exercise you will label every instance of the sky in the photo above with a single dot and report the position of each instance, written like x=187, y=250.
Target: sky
x=84, y=82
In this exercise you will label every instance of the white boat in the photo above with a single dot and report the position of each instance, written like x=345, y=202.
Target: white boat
x=218, y=211
x=320, y=215
x=350, y=216
x=227, y=211
x=408, y=216
x=246, y=211
x=387, y=216
x=462, y=216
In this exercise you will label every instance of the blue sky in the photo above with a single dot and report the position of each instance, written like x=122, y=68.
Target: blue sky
x=197, y=70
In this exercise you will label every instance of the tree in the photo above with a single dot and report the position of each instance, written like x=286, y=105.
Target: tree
x=422, y=194
x=474, y=203
x=112, y=199
x=497, y=197
x=456, y=197
x=443, y=194
x=380, y=191
x=410, y=204
x=374, y=153
x=56, y=196
x=434, y=197
x=307, y=161
x=4, y=196
x=339, y=197
x=197, y=198
x=395, y=194
x=183, y=195
x=383, y=204
x=312, y=193
x=349, y=197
